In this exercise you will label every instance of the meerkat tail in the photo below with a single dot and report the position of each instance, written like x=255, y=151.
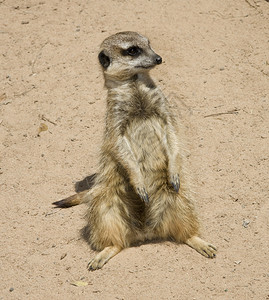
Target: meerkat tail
x=71, y=201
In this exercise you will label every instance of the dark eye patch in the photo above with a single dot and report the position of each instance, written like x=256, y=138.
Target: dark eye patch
x=132, y=51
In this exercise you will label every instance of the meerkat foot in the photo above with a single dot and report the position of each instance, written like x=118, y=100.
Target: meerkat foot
x=143, y=194
x=175, y=182
x=206, y=249
x=103, y=257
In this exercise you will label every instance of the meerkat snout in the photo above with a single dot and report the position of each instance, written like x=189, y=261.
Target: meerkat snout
x=158, y=60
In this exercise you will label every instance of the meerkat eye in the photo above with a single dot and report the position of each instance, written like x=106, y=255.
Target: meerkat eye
x=132, y=51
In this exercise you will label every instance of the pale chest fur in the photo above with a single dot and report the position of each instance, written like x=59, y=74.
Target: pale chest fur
x=141, y=117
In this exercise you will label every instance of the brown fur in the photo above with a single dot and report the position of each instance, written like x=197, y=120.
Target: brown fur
x=136, y=194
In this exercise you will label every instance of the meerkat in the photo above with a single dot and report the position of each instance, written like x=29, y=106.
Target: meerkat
x=141, y=190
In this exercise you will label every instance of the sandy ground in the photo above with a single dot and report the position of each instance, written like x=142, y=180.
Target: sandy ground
x=215, y=70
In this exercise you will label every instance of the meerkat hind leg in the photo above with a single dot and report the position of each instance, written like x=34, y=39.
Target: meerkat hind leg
x=201, y=246
x=103, y=257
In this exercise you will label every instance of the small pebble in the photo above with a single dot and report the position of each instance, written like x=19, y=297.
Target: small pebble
x=11, y=289
x=246, y=223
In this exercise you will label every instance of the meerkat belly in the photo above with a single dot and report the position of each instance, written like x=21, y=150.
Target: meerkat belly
x=147, y=139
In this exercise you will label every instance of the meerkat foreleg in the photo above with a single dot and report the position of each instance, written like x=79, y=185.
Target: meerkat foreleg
x=172, y=151
x=128, y=159
x=174, y=178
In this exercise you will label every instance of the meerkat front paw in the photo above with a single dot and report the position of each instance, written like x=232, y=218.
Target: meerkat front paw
x=175, y=182
x=141, y=191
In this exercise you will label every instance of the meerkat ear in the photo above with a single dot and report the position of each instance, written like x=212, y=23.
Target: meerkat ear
x=104, y=59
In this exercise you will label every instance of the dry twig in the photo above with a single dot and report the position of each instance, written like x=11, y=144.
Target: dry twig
x=230, y=112
x=42, y=117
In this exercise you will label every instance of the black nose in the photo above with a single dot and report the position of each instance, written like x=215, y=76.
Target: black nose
x=158, y=60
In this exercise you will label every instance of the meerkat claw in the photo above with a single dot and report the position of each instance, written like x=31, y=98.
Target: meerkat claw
x=143, y=194
x=176, y=182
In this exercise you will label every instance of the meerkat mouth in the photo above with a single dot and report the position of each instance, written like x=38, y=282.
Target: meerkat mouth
x=145, y=67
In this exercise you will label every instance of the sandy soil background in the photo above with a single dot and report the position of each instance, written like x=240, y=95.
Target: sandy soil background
x=215, y=70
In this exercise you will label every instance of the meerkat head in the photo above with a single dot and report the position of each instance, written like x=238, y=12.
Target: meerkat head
x=126, y=54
